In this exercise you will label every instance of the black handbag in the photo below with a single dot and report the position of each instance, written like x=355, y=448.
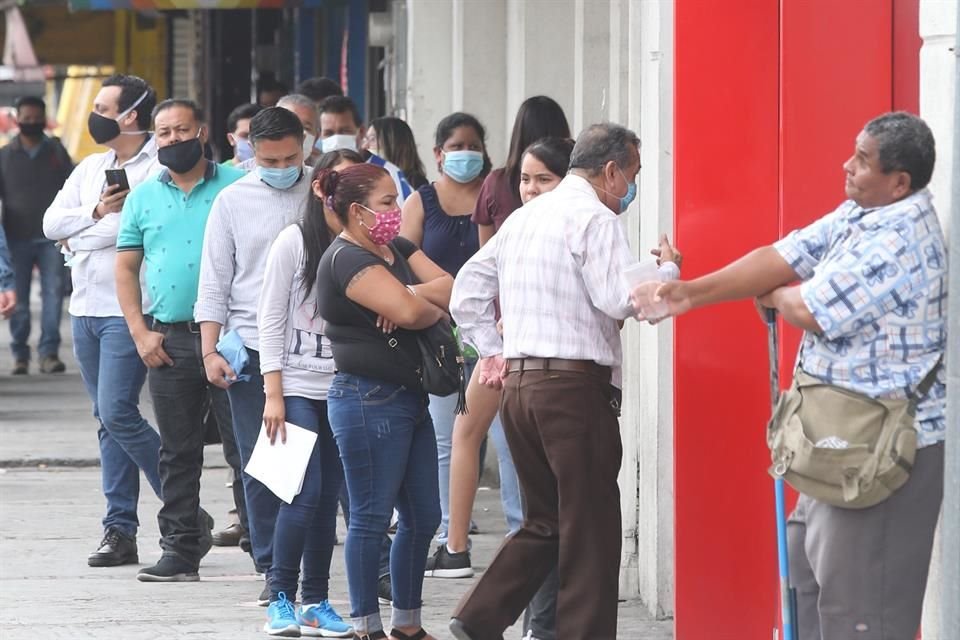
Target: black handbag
x=441, y=367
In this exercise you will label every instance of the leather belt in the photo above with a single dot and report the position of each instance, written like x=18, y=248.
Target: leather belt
x=188, y=325
x=519, y=365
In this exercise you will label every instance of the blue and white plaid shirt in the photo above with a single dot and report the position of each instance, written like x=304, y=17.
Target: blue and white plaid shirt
x=875, y=280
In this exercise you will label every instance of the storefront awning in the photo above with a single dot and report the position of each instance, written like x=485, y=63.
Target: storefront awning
x=169, y=5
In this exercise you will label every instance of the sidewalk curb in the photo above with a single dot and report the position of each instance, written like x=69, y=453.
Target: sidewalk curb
x=74, y=463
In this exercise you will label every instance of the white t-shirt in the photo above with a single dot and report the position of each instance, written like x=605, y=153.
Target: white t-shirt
x=292, y=338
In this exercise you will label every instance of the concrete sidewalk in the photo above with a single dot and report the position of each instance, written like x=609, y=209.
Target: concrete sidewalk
x=50, y=509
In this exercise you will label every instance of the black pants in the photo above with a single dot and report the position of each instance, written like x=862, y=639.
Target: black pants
x=181, y=395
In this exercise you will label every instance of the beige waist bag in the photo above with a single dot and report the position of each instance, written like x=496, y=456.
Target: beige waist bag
x=842, y=447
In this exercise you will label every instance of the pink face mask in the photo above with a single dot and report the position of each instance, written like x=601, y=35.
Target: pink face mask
x=386, y=228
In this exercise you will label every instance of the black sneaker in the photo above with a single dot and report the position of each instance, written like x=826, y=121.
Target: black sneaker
x=384, y=590
x=20, y=368
x=443, y=564
x=264, y=599
x=170, y=568
x=52, y=364
x=115, y=549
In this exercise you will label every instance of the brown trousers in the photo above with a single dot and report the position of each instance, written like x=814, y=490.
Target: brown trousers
x=565, y=440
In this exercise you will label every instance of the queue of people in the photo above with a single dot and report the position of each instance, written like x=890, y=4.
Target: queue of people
x=294, y=285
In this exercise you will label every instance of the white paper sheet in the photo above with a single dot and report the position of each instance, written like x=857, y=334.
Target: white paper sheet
x=281, y=466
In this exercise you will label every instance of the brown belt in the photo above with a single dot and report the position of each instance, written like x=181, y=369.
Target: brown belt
x=519, y=365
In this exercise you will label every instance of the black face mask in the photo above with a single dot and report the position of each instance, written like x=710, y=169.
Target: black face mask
x=31, y=129
x=102, y=129
x=181, y=157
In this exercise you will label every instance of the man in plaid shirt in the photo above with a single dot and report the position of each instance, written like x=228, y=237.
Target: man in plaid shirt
x=872, y=303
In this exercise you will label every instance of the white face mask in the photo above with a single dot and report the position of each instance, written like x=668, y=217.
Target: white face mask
x=308, y=140
x=339, y=141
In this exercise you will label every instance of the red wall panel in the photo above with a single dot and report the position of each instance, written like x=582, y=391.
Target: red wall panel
x=726, y=199
x=768, y=100
x=906, y=55
x=835, y=75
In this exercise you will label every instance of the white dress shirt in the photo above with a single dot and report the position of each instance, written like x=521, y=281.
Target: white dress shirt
x=245, y=220
x=93, y=243
x=556, y=266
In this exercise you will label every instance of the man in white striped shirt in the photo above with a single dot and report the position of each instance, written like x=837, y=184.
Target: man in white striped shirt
x=557, y=266
x=246, y=218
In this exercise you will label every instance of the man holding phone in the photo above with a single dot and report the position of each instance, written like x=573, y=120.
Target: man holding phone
x=85, y=218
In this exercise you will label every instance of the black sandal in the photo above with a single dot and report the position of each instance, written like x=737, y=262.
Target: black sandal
x=419, y=635
x=376, y=635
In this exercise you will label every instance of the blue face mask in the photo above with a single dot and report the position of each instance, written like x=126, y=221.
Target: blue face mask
x=244, y=150
x=629, y=195
x=462, y=166
x=281, y=179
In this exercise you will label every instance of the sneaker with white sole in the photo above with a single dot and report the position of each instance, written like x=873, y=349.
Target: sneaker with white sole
x=321, y=620
x=281, y=618
x=444, y=564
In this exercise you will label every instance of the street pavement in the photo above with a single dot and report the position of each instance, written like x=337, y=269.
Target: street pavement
x=50, y=510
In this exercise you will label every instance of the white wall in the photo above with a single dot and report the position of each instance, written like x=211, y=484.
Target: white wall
x=938, y=22
x=601, y=60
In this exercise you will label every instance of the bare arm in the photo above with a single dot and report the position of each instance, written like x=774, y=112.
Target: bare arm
x=436, y=284
x=411, y=225
x=485, y=231
x=790, y=304
x=376, y=289
x=755, y=274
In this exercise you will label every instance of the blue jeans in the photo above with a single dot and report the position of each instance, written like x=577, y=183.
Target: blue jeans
x=114, y=374
x=45, y=255
x=246, y=405
x=389, y=455
x=443, y=413
x=307, y=527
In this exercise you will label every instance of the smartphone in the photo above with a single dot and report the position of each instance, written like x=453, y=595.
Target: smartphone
x=118, y=177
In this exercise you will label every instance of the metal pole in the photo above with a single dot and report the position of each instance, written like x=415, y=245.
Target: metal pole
x=950, y=623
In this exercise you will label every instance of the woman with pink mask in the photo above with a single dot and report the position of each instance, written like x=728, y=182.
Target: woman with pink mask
x=375, y=291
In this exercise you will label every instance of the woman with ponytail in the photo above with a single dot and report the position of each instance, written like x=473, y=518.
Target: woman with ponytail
x=297, y=367
x=375, y=290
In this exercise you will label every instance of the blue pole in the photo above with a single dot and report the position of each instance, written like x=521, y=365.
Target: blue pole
x=788, y=604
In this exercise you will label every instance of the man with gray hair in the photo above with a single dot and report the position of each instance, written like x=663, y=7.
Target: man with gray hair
x=306, y=109
x=556, y=266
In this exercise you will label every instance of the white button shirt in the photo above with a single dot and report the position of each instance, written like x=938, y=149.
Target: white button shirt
x=556, y=265
x=92, y=242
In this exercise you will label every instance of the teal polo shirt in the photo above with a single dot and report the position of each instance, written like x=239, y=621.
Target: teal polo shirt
x=167, y=225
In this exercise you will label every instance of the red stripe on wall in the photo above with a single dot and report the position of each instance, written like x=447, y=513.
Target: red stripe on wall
x=726, y=199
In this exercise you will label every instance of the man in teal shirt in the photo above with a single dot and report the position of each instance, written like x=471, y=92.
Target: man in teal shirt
x=163, y=221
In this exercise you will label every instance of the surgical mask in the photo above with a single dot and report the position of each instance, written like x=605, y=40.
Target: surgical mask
x=308, y=140
x=243, y=151
x=181, y=157
x=103, y=129
x=339, y=141
x=462, y=166
x=386, y=228
x=627, y=198
x=281, y=179
x=32, y=129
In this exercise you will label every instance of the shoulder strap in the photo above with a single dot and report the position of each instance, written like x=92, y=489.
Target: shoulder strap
x=927, y=383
